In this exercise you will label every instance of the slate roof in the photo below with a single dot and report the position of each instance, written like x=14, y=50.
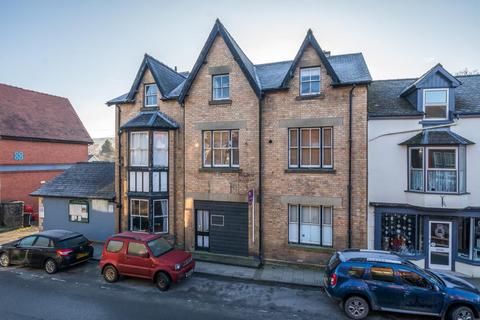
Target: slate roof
x=31, y=115
x=436, y=137
x=384, y=98
x=91, y=180
x=151, y=119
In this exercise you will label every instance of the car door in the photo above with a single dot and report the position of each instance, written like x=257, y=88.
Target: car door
x=40, y=250
x=19, y=252
x=420, y=294
x=385, y=287
x=137, y=261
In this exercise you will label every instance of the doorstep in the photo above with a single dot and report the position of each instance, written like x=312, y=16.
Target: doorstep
x=251, y=262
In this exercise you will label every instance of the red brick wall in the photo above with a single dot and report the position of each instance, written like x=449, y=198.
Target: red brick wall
x=42, y=152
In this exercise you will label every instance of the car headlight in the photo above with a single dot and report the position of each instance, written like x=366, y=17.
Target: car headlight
x=178, y=266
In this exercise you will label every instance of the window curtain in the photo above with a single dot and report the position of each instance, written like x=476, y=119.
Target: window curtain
x=160, y=149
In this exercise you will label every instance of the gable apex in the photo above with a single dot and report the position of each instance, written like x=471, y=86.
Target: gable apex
x=437, y=69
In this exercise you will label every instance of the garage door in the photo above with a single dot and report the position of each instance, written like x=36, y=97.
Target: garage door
x=221, y=227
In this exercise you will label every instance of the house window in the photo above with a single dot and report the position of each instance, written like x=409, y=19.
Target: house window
x=310, y=225
x=139, y=181
x=416, y=169
x=309, y=81
x=78, y=211
x=442, y=170
x=435, y=104
x=221, y=148
x=159, y=181
x=150, y=95
x=402, y=233
x=311, y=148
x=221, y=87
x=160, y=216
x=469, y=238
x=139, y=215
x=160, y=148
x=139, y=149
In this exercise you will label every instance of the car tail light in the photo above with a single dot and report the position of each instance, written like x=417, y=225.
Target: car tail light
x=333, y=280
x=64, y=252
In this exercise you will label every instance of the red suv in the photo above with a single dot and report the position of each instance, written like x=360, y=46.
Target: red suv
x=146, y=256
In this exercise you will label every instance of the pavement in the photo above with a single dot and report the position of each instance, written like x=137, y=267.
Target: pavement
x=80, y=293
x=7, y=235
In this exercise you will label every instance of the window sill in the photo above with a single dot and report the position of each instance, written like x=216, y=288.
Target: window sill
x=313, y=170
x=310, y=97
x=312, y=248
x=149, y=108
x=225, y=170
x=439, y=193
x=220, y=102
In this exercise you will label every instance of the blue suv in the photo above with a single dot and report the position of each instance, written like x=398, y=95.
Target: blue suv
x=364, y=280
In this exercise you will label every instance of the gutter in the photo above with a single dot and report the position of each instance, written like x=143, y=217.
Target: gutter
x=350, y=125
x=120, y=195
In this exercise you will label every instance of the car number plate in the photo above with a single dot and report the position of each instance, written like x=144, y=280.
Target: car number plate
x=81, y=255
x=189, y=273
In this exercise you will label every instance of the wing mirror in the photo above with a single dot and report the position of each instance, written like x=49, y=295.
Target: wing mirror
x=146, y=255
x=436, y=288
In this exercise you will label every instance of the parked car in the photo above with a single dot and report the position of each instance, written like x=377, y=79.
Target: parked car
x=145, y=255
x=52, y=250
x=364, y=280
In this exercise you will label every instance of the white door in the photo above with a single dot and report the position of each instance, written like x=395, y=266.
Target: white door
x=440, y=243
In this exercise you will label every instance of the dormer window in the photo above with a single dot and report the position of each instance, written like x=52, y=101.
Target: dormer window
x=309, y=81
x=221, y=87
x=435, y=104
x=150, y=95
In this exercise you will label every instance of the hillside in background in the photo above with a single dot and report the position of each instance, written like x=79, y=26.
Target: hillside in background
x=98, y=151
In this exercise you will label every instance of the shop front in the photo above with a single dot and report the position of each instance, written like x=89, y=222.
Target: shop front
x=441, y=239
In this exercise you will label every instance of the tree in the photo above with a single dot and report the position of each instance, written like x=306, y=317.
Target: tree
x=107, y=147
x=466, y=72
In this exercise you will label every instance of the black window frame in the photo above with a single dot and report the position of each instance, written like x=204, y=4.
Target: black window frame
x=222, y=88
x=230, y=148
x=321, y=147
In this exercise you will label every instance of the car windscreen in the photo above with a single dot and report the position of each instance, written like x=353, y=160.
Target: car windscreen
x=73, y=242
x=159, y=246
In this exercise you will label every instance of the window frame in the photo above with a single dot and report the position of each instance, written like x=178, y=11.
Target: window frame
x=425, y=104
x=163, y=216
x=154, y=149
x=212, y=149
x=145, y=96
x=130, y=149
x=427, y=168
x=320, y=223
x=79, y=202
x=222, y=87
x=321, y=148
x=131, y=215
x=310, y=81
x=410, y=149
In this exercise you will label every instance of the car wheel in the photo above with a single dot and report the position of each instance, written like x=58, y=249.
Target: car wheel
x=163, y=281
x=110, y=274
x=51, y=266
x=462, y=313
x=4, y=260
x=356, y=307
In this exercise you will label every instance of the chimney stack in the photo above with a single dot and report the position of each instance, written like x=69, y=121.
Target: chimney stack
x=175, y=68
x=327, y=53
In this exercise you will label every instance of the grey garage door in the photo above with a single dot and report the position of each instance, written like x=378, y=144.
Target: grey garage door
x=221, y=227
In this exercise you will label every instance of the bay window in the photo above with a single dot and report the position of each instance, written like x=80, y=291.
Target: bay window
x=310, y=148
x=442, y=170
x=310, y=225
x=221, y=148
x=139, y=149
x=435, y=104
x=416, y=169
x=160, y=148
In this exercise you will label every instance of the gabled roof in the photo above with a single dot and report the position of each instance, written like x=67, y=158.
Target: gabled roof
x=85, y=180
x=152, y=120
x=310, y=40
x=436, y=137
x=31, y=115
x=438, y=68
x=245, y=64
x=165, y=77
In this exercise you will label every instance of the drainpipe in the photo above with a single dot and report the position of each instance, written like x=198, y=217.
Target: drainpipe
x=260, y=188
x=120, y=194
x=350, y=124
x=182, y=105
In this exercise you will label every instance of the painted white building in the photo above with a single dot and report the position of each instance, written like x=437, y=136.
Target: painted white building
x=424, y=169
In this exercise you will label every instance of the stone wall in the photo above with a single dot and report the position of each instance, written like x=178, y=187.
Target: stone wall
x=11, y=214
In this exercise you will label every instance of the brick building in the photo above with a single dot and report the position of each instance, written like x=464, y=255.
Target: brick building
x=40, y=136
x=192, y=146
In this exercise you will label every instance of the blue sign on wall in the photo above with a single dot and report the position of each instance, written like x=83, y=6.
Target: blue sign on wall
x=18, y=156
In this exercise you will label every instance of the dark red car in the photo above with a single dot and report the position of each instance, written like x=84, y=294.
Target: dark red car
x=145, y=255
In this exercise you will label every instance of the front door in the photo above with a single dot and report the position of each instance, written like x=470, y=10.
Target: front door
x=440, y=243
x=203, y=229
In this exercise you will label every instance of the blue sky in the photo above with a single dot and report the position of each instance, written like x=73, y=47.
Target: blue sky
x=89, y=51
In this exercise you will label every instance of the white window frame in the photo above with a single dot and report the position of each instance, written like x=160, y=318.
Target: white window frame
x=150, y=95
x=321, y=224
x=155, y=149
x=222, y=86
x=136, y=215
x=163, y=216
x=212, y=149
x=310, y=93
x=410, y=168
x=427, y=168
x=131, y=149
x=425, y=104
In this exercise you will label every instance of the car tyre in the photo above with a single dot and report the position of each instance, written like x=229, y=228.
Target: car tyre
x=356, y=308
x=4, y=260
x=163, y=281
x=51, y=266
x=462, y=313
x=110, y=274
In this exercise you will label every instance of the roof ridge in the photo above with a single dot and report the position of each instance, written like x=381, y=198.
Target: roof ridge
x=345, y=54
x=269, y=63
x=34, y=91
x=468, y=75
x=165, y=65
x=399, y=79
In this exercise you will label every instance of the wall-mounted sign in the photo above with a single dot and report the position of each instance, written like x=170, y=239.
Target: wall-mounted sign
x=18, y=155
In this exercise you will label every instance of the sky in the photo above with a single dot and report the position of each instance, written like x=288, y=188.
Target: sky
x=89, y=51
